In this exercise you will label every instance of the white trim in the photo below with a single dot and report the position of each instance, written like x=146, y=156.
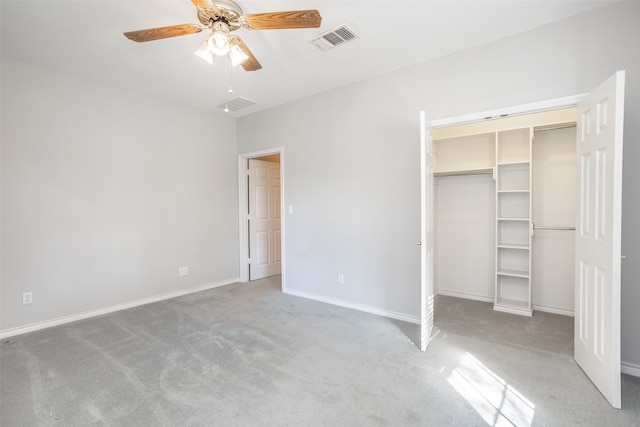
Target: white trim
x=473, y=297
x=551, y=104
x=630, y=369
x=359, y=307
x=243, y=251
x=463, y=295
x=553, y=310
x=426, y=280
x=106, y=310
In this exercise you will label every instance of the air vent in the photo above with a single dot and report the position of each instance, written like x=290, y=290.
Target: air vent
x=336, y=37
x=236, y=104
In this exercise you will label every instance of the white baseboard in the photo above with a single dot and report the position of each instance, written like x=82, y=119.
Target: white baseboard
x=464, y=295
x=553, y=310
x=630, y=369
x=98, y=312
x=360, y=307
x=490, y=299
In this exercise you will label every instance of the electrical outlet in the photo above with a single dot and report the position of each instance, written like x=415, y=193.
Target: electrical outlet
x=341, y=279
x=183, y=271
x=27, y=298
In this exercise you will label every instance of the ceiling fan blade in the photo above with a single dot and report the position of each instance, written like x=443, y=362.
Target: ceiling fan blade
x=282, y=20
x=163, y=32
x=202, y=4
x=251, y=63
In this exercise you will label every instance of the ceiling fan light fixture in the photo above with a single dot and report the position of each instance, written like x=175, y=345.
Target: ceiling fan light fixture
x=237, y=55
x=219, y=39
x=204, y=53
x=219, y=43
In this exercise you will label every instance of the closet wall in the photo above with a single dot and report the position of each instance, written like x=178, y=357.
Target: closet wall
x=465, y=210
x=464, y=236
x=554, y=218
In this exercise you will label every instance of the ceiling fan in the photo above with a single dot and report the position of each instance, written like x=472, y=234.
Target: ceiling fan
x=223, y=17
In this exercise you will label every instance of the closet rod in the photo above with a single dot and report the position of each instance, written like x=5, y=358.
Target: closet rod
x=462, y=173
x=546, y=227
x=567, y=126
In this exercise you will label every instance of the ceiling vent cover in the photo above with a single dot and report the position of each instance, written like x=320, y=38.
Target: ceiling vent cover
x=236, y=104
x=333, y=38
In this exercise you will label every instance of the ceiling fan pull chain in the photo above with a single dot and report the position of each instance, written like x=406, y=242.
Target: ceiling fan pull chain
x=227, y=70
x=227, y=67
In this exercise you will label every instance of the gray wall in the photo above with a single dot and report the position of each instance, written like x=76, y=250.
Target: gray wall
x=352, y=155
x=105, y=193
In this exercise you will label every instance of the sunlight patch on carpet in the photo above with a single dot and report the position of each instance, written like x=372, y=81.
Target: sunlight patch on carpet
x=496, y=402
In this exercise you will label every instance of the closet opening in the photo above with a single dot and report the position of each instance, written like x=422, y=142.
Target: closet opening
x=505, y=211
x=517, y=232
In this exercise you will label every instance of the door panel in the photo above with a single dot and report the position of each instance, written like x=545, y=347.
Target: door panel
x=598, y=235
x=264, y=219
x=426, y=235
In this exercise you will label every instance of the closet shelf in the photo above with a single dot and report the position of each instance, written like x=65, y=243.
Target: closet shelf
x=513, y=307
x=513, y=219
x=456, y=172
x=513, y=163
x=514, y=191
x=513, y=273
x=512, y=246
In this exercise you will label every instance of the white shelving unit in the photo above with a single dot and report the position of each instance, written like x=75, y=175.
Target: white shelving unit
x=513, y=221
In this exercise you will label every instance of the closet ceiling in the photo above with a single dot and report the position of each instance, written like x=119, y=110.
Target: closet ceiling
x=84, y=39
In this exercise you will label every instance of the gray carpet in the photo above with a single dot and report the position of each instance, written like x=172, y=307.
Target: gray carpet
x=548, y=332
x=248, y=355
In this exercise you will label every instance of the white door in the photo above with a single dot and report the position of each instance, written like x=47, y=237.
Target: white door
x=597, y=293
x=426, y=234
x=264, y=219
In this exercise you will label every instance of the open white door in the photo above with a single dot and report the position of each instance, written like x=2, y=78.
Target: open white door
x=264, y=219
x=598, y=233
x=426, y=234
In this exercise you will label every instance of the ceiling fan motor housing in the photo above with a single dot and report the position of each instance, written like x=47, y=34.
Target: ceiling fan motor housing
x=226, y=11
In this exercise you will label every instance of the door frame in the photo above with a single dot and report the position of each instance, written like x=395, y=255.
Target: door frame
x=570, y=101
x=533, y=107
x=243, y=206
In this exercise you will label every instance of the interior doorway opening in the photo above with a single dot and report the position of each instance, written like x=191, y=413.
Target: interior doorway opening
x=261, y=240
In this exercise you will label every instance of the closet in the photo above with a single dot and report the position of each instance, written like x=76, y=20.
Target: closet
x=504, y=217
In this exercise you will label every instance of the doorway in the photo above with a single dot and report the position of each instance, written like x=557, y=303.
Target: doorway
x=248, y=244
x=264, y=217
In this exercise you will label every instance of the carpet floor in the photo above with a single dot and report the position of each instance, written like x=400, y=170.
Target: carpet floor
x=249, y=355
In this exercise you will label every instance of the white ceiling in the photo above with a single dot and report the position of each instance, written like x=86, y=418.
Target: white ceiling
x=84, y=38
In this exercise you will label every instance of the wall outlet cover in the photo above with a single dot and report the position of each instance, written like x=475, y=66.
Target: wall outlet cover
x=27, y=298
